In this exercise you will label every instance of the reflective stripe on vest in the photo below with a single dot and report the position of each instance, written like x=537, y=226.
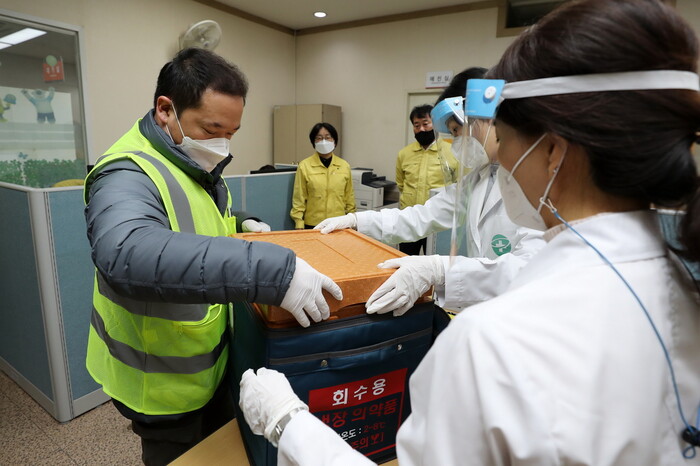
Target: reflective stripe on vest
x=151, y=363
x=181, y=205
x=170, y=311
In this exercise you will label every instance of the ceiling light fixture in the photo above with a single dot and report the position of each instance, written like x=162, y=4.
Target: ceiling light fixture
x=21, y=36
x=320, y=14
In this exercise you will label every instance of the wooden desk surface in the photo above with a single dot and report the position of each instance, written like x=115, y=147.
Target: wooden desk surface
x=224, y=447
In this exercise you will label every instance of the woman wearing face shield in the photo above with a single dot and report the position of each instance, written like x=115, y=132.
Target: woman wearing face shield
x=592, y=357
x=496, y=248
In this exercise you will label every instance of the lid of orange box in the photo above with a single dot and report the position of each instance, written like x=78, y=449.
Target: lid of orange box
x=348, y=257
x=341, y=255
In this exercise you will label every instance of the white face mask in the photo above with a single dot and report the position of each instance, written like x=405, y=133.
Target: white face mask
x=518, y=207
x=457, y=144
x=324, y=147
x=207, y=153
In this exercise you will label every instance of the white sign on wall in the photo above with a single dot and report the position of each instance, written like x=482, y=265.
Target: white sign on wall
x=436, y=79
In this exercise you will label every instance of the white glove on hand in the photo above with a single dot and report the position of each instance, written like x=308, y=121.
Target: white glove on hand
x=399, y=293
x=305, y=296
x=253, y=226
x=265, y=399
x=337, y=223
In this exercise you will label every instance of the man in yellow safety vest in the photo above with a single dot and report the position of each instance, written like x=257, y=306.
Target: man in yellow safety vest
x=158, y=217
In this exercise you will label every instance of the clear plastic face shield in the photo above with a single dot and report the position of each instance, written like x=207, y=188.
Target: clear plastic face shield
x=448, y=119
x=475, y=154
x=484, y=96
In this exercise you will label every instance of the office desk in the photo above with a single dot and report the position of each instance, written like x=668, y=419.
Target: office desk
x=223, y=447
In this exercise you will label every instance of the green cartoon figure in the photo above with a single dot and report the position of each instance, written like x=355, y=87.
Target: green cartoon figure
x=6, y=103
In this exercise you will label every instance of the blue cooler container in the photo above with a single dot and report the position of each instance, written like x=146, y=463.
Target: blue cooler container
x=353, y=371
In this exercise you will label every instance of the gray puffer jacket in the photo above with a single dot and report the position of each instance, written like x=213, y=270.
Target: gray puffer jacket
x=138, y=254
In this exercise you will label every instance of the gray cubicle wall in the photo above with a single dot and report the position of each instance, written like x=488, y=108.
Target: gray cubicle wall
x=46, y=280
x=266, y=195
x=23, y=340
x=74, y=271
x=46, y=286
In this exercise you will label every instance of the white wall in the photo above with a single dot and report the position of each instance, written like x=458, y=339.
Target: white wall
x=370, y=70
x=126, y=42
x=690, y=10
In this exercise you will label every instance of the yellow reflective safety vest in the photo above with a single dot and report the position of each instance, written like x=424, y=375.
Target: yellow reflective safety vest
x=160, y=358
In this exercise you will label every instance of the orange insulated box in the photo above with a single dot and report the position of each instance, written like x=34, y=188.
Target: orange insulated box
x=349, y=258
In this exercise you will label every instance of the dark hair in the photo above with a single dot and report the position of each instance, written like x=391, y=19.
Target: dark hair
x=317, y=127
x=638, y=142
x=420, y=111
x=458, y=85
x=266, y=168
x=194, y=70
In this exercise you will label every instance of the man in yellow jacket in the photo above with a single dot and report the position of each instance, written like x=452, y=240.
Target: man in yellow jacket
x=422, y=166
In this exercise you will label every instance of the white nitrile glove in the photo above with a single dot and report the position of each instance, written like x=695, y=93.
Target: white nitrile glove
x=415, y=276
x=253, y=226
x=337, y=223
x=266, y=398
x=305, y=296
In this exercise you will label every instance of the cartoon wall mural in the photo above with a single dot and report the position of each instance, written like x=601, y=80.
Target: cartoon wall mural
x=37, y=137
x=40, y=125
x=41, y=100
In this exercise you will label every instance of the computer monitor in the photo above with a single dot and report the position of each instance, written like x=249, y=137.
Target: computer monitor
x=277, y=168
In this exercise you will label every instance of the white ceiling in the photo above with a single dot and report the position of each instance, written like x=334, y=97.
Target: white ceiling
x=299, y=14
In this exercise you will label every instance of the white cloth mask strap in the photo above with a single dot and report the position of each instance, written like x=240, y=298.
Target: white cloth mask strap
x=178, y=122
x=527, y=152
x=545, y=196
x=167, y=130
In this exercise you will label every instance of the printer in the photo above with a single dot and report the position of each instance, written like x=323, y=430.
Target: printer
x=372, y=191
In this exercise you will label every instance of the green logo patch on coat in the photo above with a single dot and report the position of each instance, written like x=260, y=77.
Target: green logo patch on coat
x=500, y=245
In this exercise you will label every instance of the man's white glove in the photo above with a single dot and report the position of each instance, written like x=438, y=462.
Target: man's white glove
x=399, y=293
x=305, y=296
x=337, y=223
x=253, y=226
x=266, y=398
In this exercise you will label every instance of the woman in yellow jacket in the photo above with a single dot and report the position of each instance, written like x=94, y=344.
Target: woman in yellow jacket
x=323, y=183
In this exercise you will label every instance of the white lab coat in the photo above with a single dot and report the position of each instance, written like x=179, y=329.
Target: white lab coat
x=564, y=368
x=468, y=280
